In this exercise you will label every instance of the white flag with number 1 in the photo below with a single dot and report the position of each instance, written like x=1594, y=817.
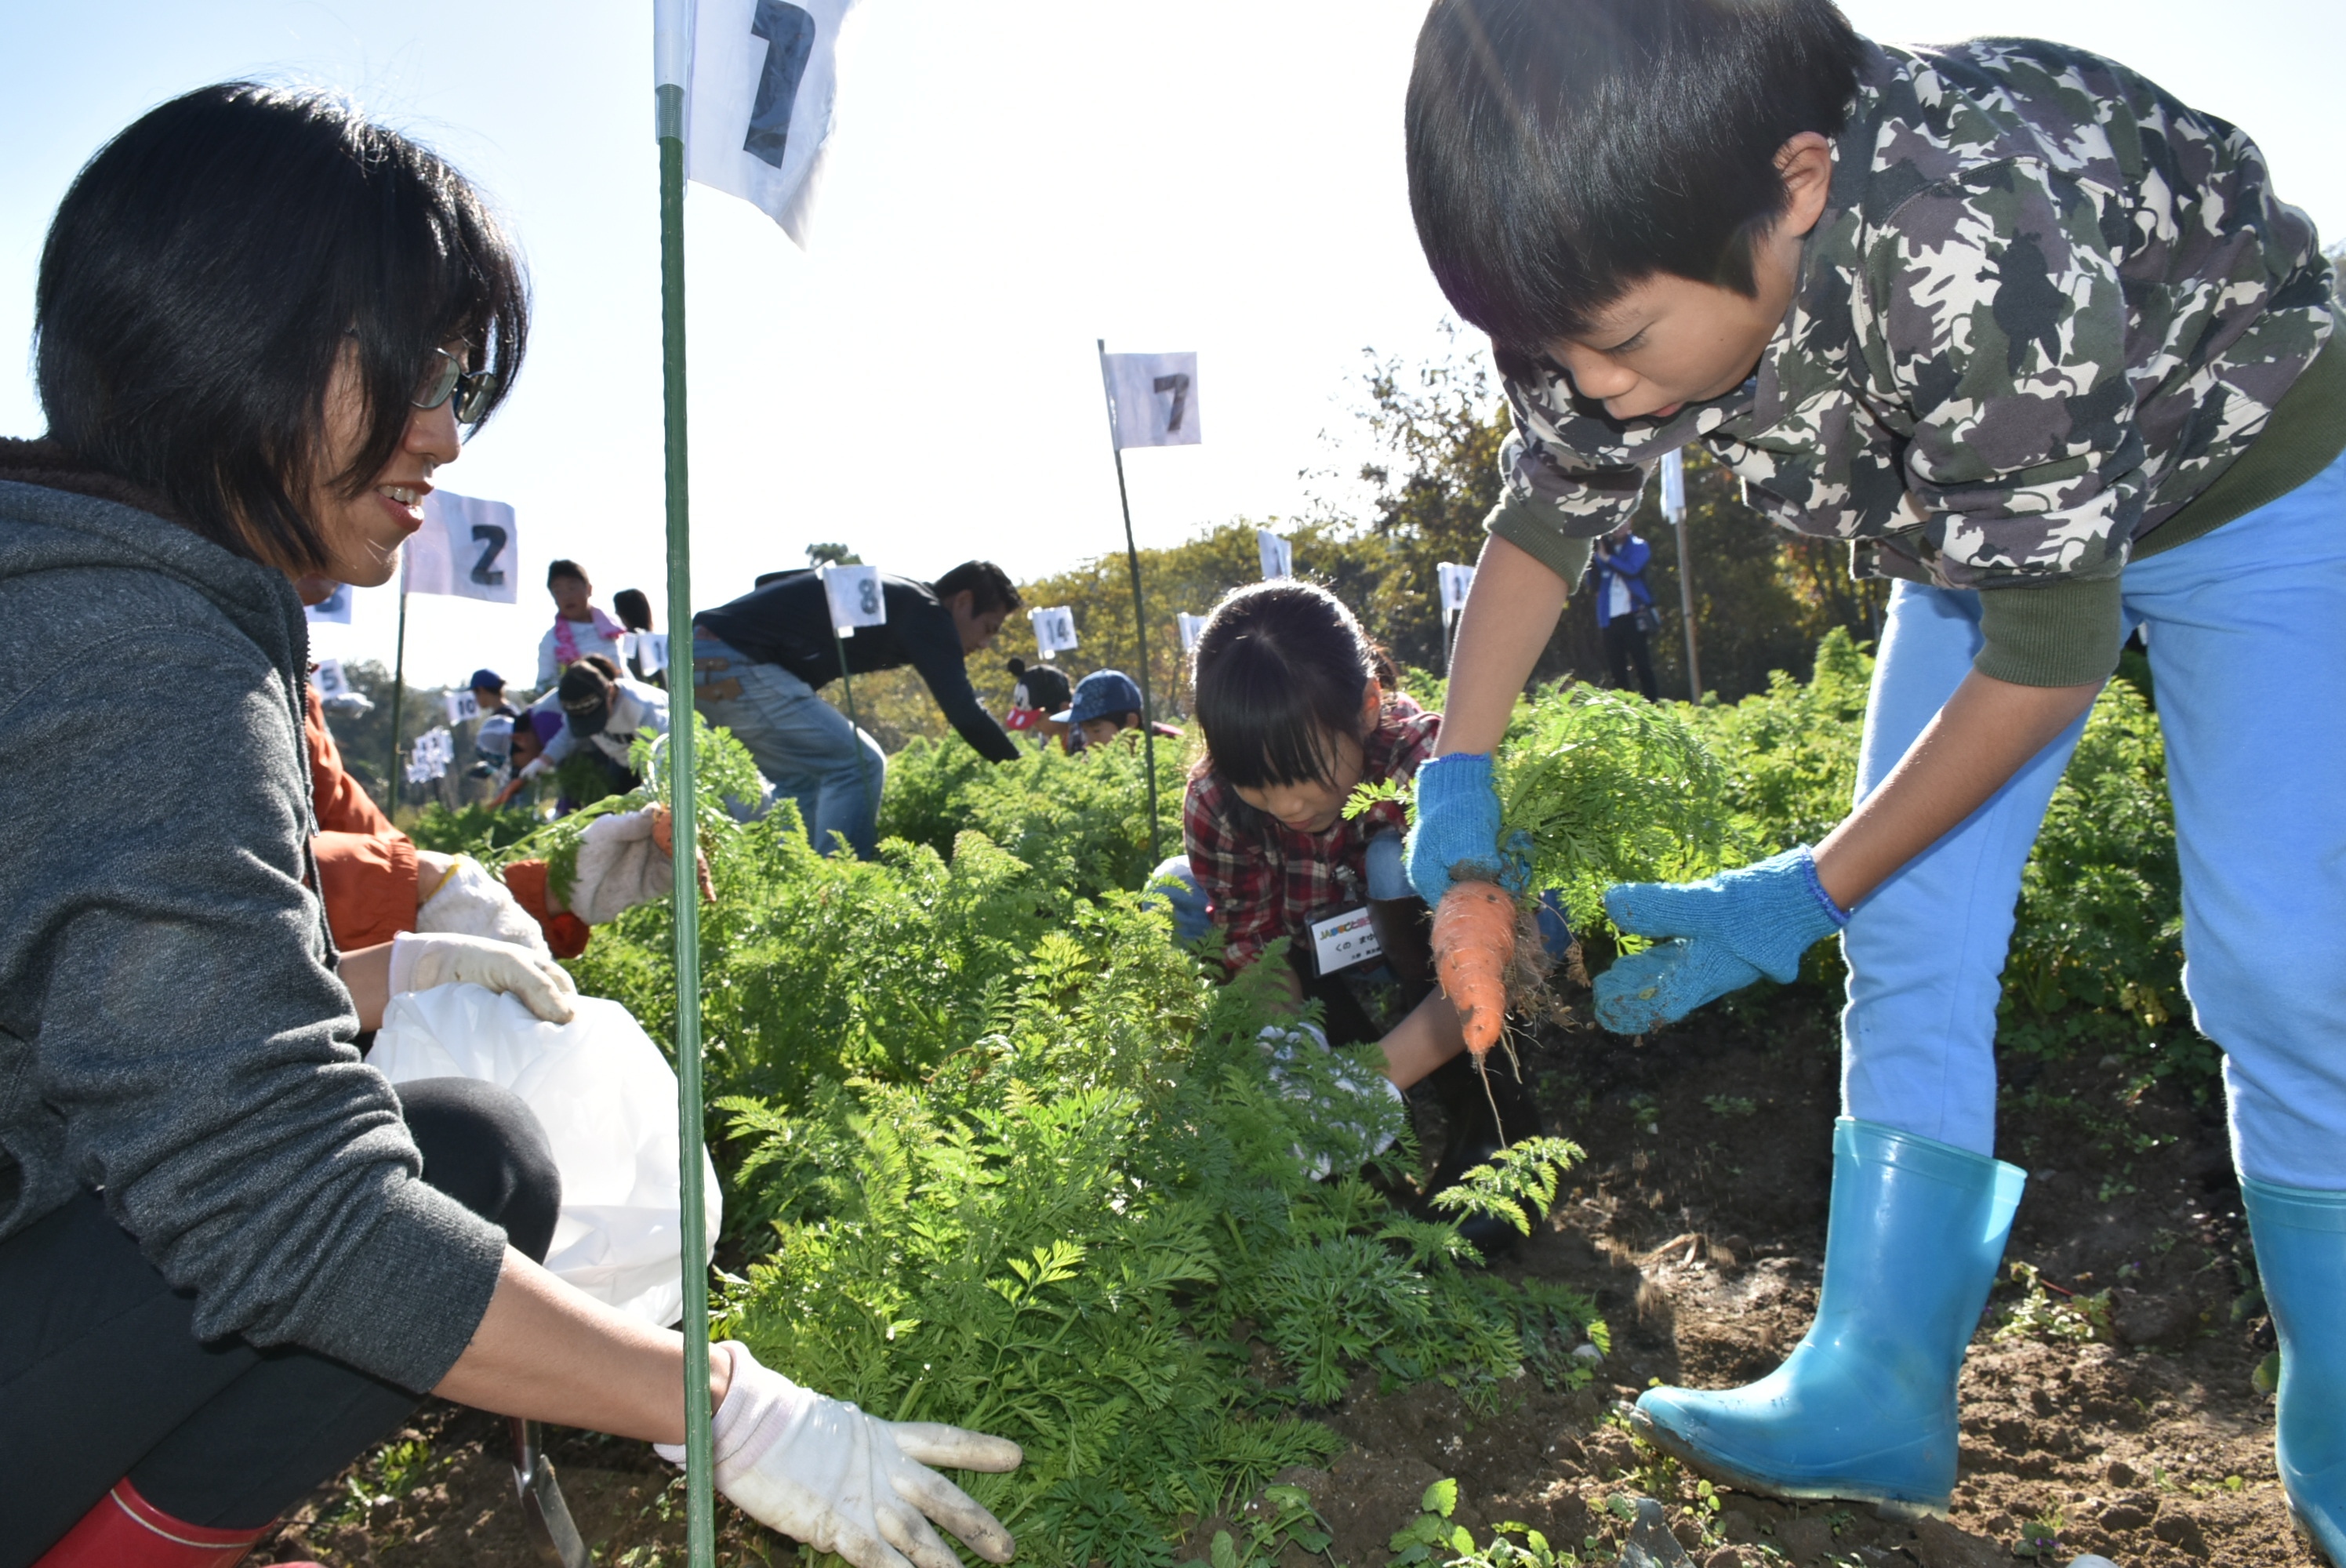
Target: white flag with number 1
x=759, y=78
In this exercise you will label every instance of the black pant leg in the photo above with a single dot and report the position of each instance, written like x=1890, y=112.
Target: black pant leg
x=1617, y=650
x=101, y=1374
x=297, y=1417
x=97, y=1362
x=1641, y=653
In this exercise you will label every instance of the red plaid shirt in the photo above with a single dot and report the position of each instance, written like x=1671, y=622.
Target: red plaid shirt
x=1264, y=879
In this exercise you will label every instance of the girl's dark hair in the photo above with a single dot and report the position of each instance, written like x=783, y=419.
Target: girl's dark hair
x=559, y=568
x=1561, y=151
x=634, y=610
x=205, y=276
x=1280, y=666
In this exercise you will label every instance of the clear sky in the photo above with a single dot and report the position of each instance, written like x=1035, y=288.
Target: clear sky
x=1008, y=184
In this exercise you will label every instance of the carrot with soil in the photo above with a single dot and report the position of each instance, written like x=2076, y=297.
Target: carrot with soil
x=1474, y=949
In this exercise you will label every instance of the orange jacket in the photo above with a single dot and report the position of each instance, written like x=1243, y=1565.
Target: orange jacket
x=367, y=868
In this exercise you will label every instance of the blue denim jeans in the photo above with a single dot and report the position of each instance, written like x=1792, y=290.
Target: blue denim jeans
x=2247, y=631
x=805, y=747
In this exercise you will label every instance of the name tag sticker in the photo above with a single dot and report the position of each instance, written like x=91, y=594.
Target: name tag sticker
x=1343, y=941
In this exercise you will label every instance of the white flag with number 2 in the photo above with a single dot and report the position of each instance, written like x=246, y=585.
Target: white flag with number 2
x=1153, y=398
x=465, y=548
x=760, y=79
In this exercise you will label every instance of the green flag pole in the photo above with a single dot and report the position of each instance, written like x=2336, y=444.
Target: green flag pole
x=398, y=689
x=1139, y=615
x=700, y=1519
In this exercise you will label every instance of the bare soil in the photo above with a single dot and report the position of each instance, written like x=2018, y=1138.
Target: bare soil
x=1698, y=1222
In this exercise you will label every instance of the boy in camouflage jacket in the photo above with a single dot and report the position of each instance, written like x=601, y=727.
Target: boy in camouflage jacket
x=2024, y=329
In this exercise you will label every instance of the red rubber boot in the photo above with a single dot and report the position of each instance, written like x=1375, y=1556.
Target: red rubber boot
x=126, y=1530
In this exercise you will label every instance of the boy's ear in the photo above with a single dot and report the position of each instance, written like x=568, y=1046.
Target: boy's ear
x=1805, y=163
x=1372, y=704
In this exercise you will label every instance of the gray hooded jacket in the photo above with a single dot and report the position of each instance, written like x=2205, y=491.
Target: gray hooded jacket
x=171, y=1028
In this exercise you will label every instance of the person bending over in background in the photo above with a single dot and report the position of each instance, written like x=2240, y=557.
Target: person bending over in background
x=1105, y=704
x=1042, y=690
x=602, y=713
x=1616, y=569
x=2045, y=343
x=579, y=629
x=224, y=1271
x=1285, y=692
x=758, y=663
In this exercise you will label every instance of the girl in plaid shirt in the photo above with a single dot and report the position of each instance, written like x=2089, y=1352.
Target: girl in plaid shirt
x=1287, y=694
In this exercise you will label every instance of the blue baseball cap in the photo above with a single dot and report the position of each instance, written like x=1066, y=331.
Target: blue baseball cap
x=1103, y=694
x=485, y=680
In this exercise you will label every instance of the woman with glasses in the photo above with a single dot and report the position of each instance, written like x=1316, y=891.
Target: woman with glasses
x=232, y=1257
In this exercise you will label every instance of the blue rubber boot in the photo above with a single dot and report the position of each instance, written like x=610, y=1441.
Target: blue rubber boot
x=2300, y=1236
x=1865, y=1409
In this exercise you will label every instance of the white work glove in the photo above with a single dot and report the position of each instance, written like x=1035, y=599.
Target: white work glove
x=471, y=903
x=1283, y=1044
x=822, y=1471
x=619, y=867
x=419, y=963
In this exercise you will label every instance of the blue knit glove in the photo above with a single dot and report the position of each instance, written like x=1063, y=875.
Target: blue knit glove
x=1458, y=826
x=1725, y=933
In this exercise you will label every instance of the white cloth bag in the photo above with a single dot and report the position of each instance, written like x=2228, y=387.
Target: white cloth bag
x=608, y=1099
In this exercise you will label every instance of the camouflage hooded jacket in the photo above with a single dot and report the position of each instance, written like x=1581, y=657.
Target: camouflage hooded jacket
x=2045, y=306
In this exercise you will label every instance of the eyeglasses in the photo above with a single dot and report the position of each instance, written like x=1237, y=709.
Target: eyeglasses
x=473, y=390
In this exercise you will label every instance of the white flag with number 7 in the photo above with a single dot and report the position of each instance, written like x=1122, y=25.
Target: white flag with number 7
x=1154, y=398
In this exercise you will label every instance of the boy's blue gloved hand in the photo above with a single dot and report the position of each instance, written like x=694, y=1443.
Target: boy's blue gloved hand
x=1458, y=825
x=1727, y=932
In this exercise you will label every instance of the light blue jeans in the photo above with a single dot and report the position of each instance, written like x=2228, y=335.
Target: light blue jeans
x=805, y=747
x=2247, y=630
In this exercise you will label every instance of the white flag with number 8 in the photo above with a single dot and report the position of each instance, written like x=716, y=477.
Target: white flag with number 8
x=855, y=596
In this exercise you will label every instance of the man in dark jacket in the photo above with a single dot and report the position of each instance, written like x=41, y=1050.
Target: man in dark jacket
x=758, y=662
x=1624, y=606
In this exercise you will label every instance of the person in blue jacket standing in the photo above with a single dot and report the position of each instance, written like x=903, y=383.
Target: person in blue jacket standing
x=1616, y=569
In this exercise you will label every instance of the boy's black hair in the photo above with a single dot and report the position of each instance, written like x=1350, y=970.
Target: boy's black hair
x=990, y=587
x=210, y=269
x=561, y=567
x=1561, y=151
x=1280, y=669
x=634, y=610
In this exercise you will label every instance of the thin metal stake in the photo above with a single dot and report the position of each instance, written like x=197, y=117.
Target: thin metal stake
x=398, y=687
x=1139, y=616
x=700, y=1517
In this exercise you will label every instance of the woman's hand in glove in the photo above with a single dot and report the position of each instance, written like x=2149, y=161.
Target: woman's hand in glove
x=419, y=963
x=1725, y=933
x=824, y=1472
x=1457, y=829
x=468, y=901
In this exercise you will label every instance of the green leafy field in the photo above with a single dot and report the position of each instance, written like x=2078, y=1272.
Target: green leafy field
x=997, y=1153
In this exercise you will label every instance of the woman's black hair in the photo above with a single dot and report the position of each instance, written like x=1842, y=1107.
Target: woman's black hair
x=634, y=610
x=210, y=268
x=1561, y=151
x=560, y=568
x=1280, y=667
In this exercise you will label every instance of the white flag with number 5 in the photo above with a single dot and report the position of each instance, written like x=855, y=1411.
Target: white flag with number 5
x=1153, y=397
x=760, y=77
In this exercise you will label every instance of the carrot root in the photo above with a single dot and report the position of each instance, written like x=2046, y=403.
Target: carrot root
x=1473, y=949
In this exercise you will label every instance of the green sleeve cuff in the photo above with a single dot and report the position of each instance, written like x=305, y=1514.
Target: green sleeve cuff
x=2067, y=632
x=1539, y=534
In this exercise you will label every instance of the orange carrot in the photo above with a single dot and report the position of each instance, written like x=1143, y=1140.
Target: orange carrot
x=1474, y=943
